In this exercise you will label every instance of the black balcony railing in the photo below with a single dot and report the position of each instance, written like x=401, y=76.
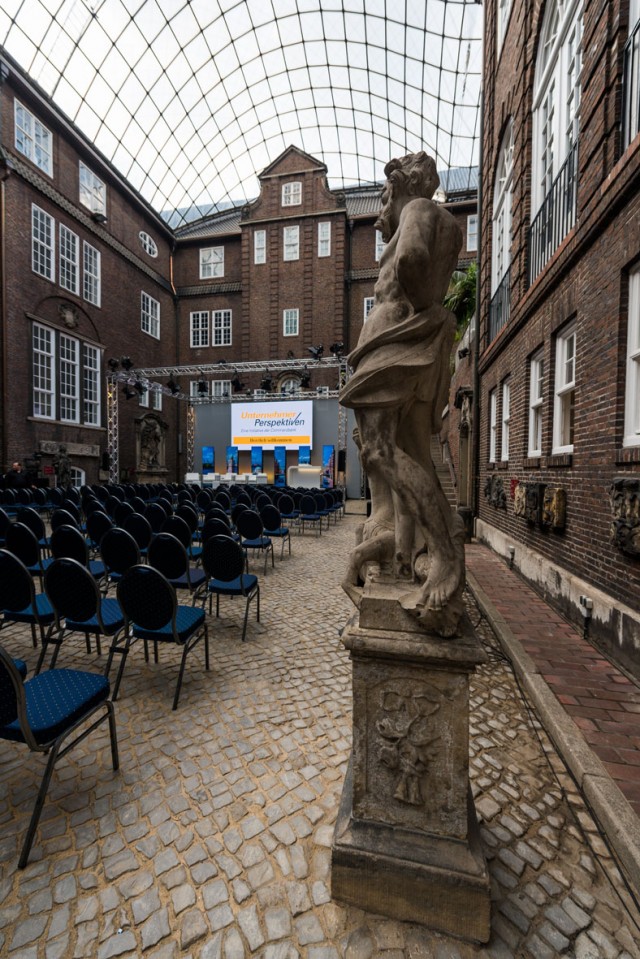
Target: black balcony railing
x=500, y=306
x=631, y=88
x=556, y=216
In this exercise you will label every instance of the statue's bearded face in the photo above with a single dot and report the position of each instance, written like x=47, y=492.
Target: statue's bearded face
x=387, y=221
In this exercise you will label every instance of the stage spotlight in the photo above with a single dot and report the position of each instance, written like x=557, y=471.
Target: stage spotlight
x=173, y=386
x=305, y=379
x=337, y=349
x=290, y=354
x=316, y=351
x=203, y=387
x=236, y=382
x=127, y=363
x=266, y=382
x=113, y=364
x=128, y=392
x=140, y=387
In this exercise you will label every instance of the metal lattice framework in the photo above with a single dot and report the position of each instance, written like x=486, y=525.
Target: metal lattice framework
x=190, y=99
x=148, y=377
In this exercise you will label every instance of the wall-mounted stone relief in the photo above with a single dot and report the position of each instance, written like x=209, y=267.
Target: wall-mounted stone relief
x=624, y=495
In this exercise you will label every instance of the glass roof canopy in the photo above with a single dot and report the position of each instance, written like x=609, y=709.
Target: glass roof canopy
x=190, y=99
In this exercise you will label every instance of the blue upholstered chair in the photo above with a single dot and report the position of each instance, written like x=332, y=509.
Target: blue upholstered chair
x=44, y=713
x=19, y=601
x=223, y=561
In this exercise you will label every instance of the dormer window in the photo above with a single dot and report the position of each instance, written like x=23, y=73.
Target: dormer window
x=292, y=193
x=93, y=192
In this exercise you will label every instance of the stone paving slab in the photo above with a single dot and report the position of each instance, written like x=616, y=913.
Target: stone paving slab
x=213, y=840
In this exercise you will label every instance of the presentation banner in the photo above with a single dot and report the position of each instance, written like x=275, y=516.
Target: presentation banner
x=208, y=459
x=232, y=459
x=304, y=455
x=270, y=424
x=328, y=466
x=256, y=459
x=279, y=466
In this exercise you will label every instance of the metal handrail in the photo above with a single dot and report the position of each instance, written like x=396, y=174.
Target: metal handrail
x=556, y=216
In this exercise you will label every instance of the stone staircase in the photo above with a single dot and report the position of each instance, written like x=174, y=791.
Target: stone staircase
x=443, y=472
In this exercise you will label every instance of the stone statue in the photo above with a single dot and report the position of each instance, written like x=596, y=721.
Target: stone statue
x=150, y=441
x=398, y=391
x=62, y=466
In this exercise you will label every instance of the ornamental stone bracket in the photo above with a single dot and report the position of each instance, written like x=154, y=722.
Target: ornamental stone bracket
x=624, y=495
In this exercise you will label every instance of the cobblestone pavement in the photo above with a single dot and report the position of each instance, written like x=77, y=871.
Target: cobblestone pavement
x=213, y=840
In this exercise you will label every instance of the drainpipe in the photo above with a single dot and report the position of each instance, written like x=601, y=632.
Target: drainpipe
x=5, y=172
x=346, y=325
x=176, y=322
x=475, y=419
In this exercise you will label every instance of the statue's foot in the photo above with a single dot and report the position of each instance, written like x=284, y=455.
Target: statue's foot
x=442, y=582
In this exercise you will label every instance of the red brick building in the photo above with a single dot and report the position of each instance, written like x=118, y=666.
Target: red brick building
x=556, y=404
x=91, y=273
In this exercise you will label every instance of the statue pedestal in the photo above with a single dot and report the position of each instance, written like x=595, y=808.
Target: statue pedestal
x=406, y=839
x=155, y=474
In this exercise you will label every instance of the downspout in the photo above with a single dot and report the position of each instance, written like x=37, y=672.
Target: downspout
x=346, y=325
x=176, y=327
x=475, y=418
x=5, y=172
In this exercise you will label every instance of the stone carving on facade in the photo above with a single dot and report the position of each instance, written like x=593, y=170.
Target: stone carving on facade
x=519, y=500
x=534, y=498
x=624, y=496
x=62, y=466
x=554, y=507
x=398, y=390
x=495, y=492
x=69, y=316
x=151, y=438
x=463, y=402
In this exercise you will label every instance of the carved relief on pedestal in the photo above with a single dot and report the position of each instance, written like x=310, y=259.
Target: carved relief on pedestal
x=554, y=507
x=624, y=495
x=520, y=500
x=495, y=492
x=406, y=738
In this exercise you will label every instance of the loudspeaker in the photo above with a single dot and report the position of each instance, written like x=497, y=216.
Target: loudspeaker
x=342, y=461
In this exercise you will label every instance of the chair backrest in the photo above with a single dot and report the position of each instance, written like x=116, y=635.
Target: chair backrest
x=178, y=528
x=223, y=498
x=92, y=505
x=16, y=584
x=286, y=504
x=204, y=500
x=215, y=526
x=187, y=512
x=9, y=497
x=271, y=518
x=5, y=522
x=97, y=525
x=147, y=598
x=12, y=697
x=71, y=590
x=72, y=507
x=185, y=496
x=223, y=558
x=62, y=517
x=261, y=500
x=119, y=550
x=39, y=497
x=122, y=511
x=243, y=497
x=111, y=504
x=138, y=504
x=68, y=542
x=235, y=512
x=165, y=504
x=22, y=543
x=140, y=528
x=33, y=520
x=249, y=524
x=216, y=512
x=156, y=516
x=24, y=496
x=307, y=504
x=73, y=494
x=167, y=554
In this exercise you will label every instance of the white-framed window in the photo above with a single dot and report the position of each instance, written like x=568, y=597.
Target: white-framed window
x=77, y=476
x=211, y=262
x=379, y=247
x=556, y=96
x=632, y=391
x=93, y=192
x=221, y=328
x=68, y=260
x=42, y=243
x=631, y=92
x=501, y=234
x=221, y=388
x=292, y=193
x=91, y=280
x=503, y=11
x=324, y=238
x=472, y=233
x=66, y=377
x=564, y=391
x=91, y=384
x=149, y=315
x=536, y=393
x=506, y=416
x=148, y=244
x=260, y=246
x=368, y=306
x=33, y=139
x=151, y=398
x=199, y=323
x=290, y=322
x=291, y=243
x=43, y=372
x=493, y=425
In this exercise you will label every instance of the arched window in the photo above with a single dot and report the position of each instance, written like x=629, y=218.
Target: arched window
x=556, y=101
